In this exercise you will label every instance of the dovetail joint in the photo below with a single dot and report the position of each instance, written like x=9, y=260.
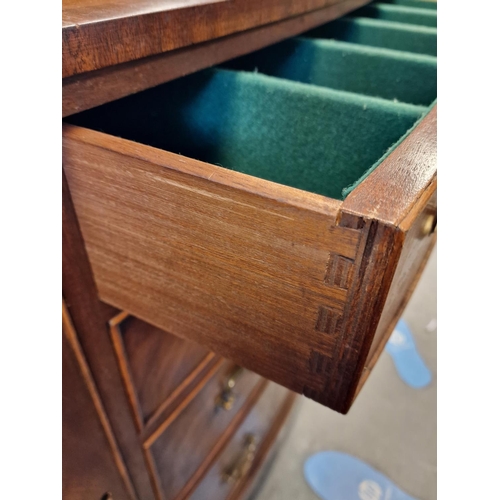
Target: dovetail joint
x=328, y=321
x=339, y=271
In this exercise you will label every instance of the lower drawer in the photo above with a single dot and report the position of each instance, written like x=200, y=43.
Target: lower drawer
x=178, y=450
x=247, y=448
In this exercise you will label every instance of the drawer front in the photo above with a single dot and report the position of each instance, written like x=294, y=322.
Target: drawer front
x=418, y=244
x=180, y=449
x=247, y=448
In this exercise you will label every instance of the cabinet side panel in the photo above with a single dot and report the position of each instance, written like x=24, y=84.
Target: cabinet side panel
x=92, y=466
x=90, y=318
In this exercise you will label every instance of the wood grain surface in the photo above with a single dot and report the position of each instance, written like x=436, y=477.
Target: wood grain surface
x=92, y=466
x=242, y=266
x=289, y=284
x=414, y=255
x=90, y=317
x=90, y=89
x=101, y=34
x=197, y=429
x=156, y=365
x=400, y=194
x=258, y=423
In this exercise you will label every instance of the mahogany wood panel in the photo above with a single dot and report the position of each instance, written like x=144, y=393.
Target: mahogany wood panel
x=90, y=316
x=92, y=466
x=258, y=423
x=183, y=446
x=100, y=34
x=414, y=256
x=401, y=193
x=159, y=364
x=84, y=91
x=289, y=284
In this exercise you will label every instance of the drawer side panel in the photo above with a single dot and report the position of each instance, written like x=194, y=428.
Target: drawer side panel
x=262, y=281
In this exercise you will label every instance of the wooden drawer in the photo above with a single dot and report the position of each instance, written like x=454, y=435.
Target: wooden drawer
x=282, y=266
x=247, y=448
x=179, y=447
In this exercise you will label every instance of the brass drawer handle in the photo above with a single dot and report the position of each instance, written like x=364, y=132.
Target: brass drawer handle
x=243, y=463
x=227, y=397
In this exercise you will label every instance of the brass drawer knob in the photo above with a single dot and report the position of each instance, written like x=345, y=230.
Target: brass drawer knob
x=227, y=397
x=429, y=224
x=242, y=465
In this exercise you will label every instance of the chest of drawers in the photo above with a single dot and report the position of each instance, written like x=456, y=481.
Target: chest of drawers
x=241, y=229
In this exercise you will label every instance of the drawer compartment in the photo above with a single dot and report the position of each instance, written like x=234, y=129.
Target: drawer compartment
x=318, y=140
x=391, y=74
x=247, y=448
x=213, y=207
x=420, y=4
x=380, y=33
x=399, y=14
x=178, y=450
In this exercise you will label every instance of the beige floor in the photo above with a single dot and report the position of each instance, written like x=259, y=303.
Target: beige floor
x=391, y=426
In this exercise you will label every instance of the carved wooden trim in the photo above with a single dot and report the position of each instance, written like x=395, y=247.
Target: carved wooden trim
x=179, y=390
x=145, y=426
x=153, y=473
x=121, y=356
x=150, y=437
x=71, y=336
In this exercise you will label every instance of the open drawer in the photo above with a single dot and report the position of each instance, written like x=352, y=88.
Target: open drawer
x=280, y=220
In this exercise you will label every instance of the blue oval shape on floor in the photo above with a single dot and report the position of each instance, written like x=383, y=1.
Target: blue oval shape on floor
x=338, y=476
x=409, y=364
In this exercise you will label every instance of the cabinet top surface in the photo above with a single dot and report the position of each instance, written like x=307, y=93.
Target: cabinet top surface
x=100, y=33
x=78, y=12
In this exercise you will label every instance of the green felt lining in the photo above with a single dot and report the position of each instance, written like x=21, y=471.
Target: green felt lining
x=386, y=73
x=380, y=33
x=347, y=190
x=420, y=4
x=399, y=13
x=305, y=136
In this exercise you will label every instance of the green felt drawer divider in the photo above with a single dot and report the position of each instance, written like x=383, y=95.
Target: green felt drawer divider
x=309, y=137
x=379, y=33
x=420, y=4
x=386, y=73
x=347, y=190
x=399, y=13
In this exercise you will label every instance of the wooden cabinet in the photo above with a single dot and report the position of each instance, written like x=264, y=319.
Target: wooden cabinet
x=264, y=219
